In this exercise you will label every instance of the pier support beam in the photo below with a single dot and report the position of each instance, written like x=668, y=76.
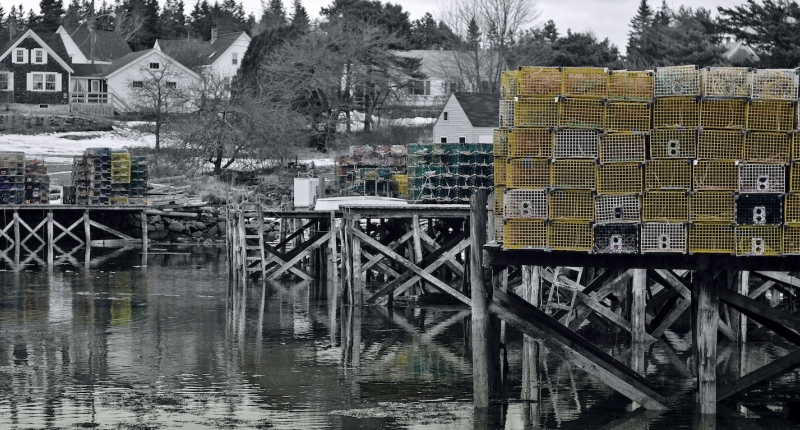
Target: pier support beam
x=483, y=369
x=706, y=288
x=639, y=340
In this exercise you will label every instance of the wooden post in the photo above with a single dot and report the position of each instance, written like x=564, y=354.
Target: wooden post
x=242, y=248
x=638, y=338
x=417, y=255
x=483, y=376
x=87, y=231
x=358, y=277
x=50, y=257
x=332, y=272
x=144, y=239
x=706, y=340
x=744, y=289
x=16, y=239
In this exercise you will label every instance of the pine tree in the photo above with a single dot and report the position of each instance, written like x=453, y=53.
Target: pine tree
x=201, y=22
x=173, y=20
x=473, y=35
x=31, y=20
x=300, y=16
x=273, y=16
x=52, y=11
x=639, y=24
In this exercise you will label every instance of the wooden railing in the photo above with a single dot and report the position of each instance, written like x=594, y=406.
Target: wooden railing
x=93, y=98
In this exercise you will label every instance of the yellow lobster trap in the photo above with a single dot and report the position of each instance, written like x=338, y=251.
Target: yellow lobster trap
x=712, y=238
x=665, y=206
x=574, y=205
x=719, y=175
x=528, y=173
x=770, y=115
x=582, y=113
x=500, y=164
x=622, y=148
x=712, y=206
x=509, y=84
x=585, y=82
x=759, y=240
x=624, y=85
x=574, y=174
x=531, y=142
x=676, y=112
x=627, y=116
x=791, y=240
x=720, y=144
x=765, y=147
x=539, y=82
x=775, y=84
x=524, y=234
x=570, y=236
x=500, y=142
x=673, y=143
x=723, y=113
x=536, y=112
x=668, y=174
x=619, y=178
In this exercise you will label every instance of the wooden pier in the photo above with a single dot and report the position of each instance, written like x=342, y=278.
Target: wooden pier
x=380, y=254
x=28, y=230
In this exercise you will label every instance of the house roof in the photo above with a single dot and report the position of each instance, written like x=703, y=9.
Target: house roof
x=108, y=46
x=213, y=50
x=483, y=110
x=89, y=70
x=50, y=42
x=738, y=52
x=131, y=58
x=434, y=64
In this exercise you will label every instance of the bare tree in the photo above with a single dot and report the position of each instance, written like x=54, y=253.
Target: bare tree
x=159, y=92
x=128, y=23
x=487, y=29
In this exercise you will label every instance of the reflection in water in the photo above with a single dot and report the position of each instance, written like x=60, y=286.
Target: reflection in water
x=173, y=344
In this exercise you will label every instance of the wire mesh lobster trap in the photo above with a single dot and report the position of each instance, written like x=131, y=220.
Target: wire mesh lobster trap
x=765, y=147
x=585, y=82
x=720, y=144
x=536, y=112
x=719, y=175
x=618, y=209
x=582, y=113
x=676, y=112
x=794, y=177
x=531, y=142
x=569, y=236
x=524, y=234
x=712, y=238
x=571, y=143
x=500, y=142
x=574, y=174
x=499, y=192
x=762, y=178
x=624, y=85
x=677, y=81
x=539, y=82
x=771, y=115
x=791, y=212
x=673, y=143
x=759, y=209
x=622, y=148
x=506, y=116
x=791, y=240
x=619, y=178
x=528, y=173
x=616, y=239
x=521, y=203
x=775, y=84
x=668, y=174
x=627, y=116
x=712, y=206
x=759, y=240
x=726, y=82
x=509, y=84
x=575, y=205
x=500, y=164
x=663, y=237
x=665, y=206
x=723, y=113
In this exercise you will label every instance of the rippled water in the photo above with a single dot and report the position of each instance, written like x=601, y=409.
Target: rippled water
x=171, y=345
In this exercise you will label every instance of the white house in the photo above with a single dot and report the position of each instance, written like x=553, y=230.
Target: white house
x=467, y=118
x=130, y=71
x=223, y=55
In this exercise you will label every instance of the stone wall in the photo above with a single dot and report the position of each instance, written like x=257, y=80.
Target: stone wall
x=17, y=123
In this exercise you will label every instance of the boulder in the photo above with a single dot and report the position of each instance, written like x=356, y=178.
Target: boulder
x=151, y=228
x=154, y=219
x=176, y=227
x=197, y=234
x=221, y=225
x=213, y=231
x=197, y=226
x=158, y=234
x=159, y=226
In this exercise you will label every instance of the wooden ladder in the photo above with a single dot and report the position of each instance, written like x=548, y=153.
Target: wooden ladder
x=254, y=253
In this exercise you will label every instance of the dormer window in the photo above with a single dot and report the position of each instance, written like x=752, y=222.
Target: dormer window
x=39, y=56
x=154, y=65
x=20, y=56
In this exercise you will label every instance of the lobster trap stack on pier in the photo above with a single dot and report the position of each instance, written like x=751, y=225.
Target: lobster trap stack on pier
x=448, y=172
x=102, y=176
x=677, y=160
x=23, y=181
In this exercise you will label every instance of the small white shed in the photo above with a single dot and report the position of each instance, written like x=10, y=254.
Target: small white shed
x=467, y=118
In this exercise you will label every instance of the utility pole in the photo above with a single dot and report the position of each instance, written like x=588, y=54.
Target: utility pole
x=91, y=31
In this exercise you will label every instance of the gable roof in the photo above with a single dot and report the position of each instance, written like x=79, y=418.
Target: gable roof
x=212, y=50
x=89, y=70
x=433, y=63
x=483, y=110
x=50, y=42
x=108, y=46
x=128, y=60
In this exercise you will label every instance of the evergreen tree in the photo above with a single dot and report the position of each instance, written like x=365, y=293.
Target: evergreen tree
x=77, y=12
x=427, y=34
x=52, y=11
x=173, y=20
x=771, y=27
x=473, y=35
x=583, y=49
x=201, y=21
x=31, y=20
x=274, y=15
x=389, y=16
x=640, y=22
x=300, y=17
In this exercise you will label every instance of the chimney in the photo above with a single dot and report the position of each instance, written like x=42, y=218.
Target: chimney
x=214, y=33
x=727, y=39
x=12, y=27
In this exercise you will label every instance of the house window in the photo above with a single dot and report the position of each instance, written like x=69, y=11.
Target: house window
x=234, y=58
x=462, y=139
x=95, y=86
x=171, y=84
x=5, y=81
x=154, y=65
x=445, y=116
x=451, y=87
x=43, y=82
x=443, y=139
x=419, y=88
x=138, y=84
x=20, y=56
x=39, y=56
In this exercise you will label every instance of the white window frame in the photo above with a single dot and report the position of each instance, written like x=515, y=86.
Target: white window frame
x=92, y=84
x=172, y=84
x=44, y=81
x=16, y=57
x=9, y=81
x=235, y=58
x=34, y=53
x=156, y=64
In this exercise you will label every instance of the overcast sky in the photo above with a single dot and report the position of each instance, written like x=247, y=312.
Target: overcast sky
x=605, y=18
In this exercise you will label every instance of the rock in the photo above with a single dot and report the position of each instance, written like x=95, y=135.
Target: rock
x=158, y=234
x=176, y=227
x=208, y=242
x=197, y=234
x=151, y=228
x=213, y=231
x=154, y=219
x=221, y=225
x=159, y=226
x=196, y=226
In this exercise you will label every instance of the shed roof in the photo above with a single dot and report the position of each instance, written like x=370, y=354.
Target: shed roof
x=108, y=45
x=483, y=110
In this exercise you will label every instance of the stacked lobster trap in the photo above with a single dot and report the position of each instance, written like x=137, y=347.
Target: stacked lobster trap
x=102, y=176
x=448, y=172
x=23, y=181
x=377, y=170
x=680, y=159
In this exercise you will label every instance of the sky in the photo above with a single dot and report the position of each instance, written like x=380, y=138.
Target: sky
x=604, y=18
